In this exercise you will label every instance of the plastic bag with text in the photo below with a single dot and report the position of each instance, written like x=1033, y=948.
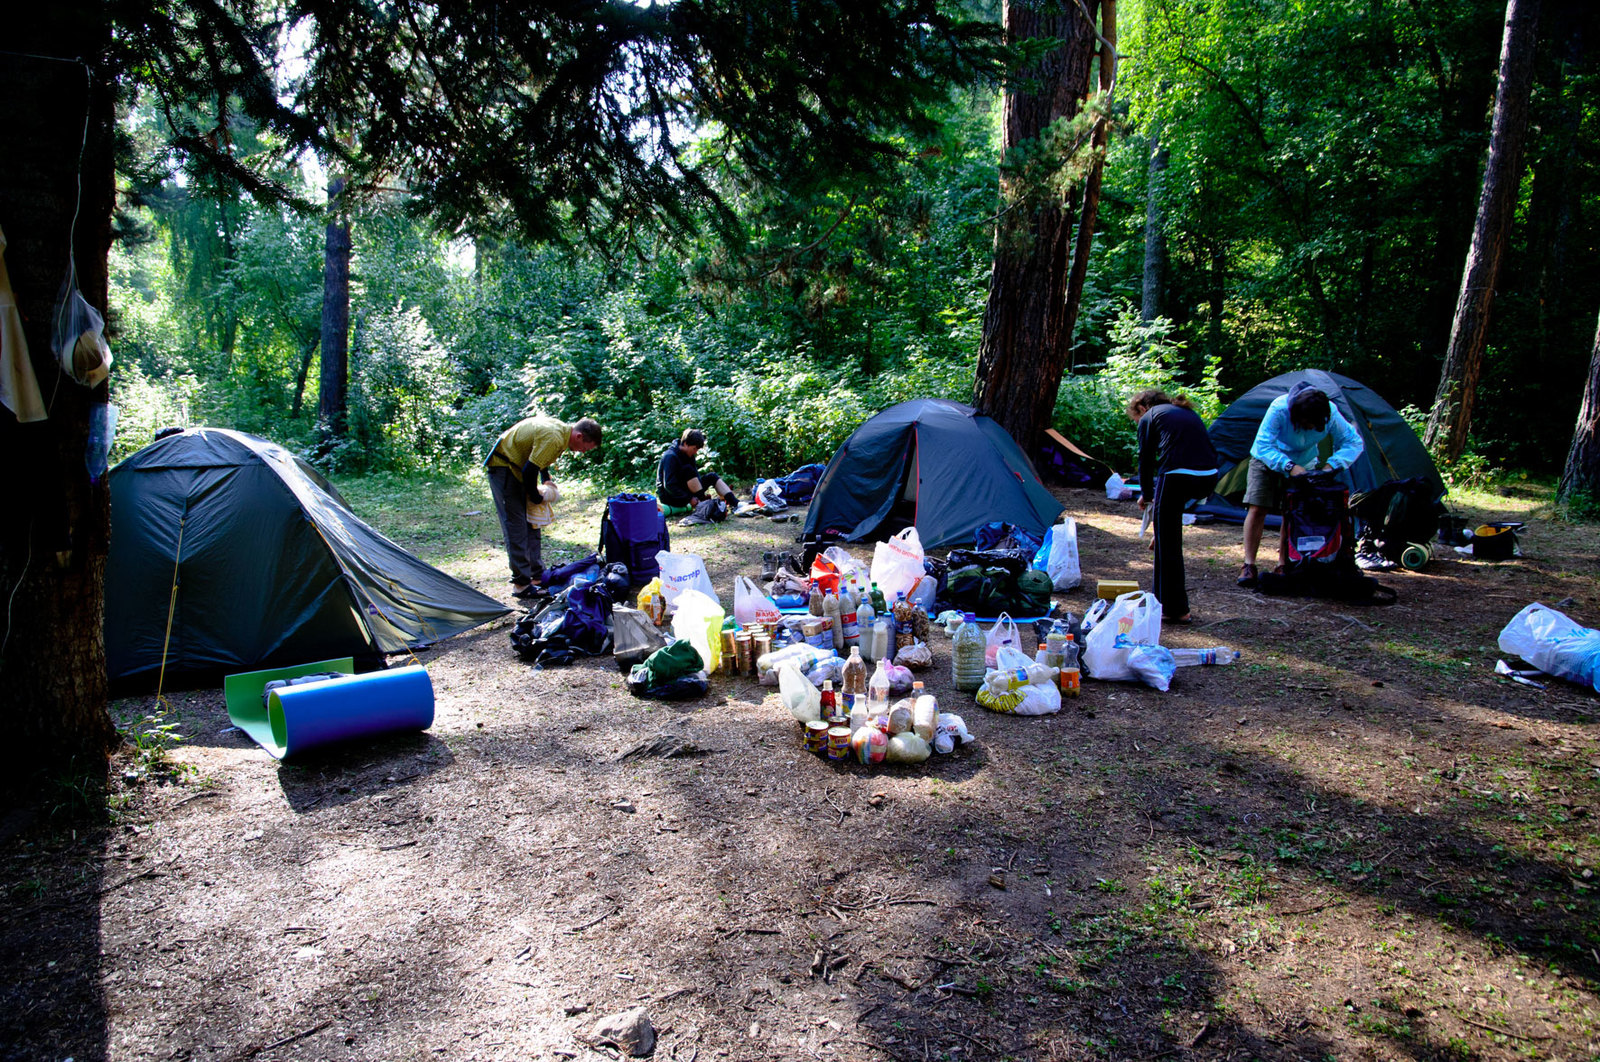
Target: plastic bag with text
x=683, y=571
x=1133, y=619
x=750, y=605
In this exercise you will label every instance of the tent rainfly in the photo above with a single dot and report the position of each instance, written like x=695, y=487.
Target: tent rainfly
x=1392, y=450
x=261, y=563
x=932, y=463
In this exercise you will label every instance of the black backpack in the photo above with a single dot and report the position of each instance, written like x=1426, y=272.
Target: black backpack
x=1397, y=514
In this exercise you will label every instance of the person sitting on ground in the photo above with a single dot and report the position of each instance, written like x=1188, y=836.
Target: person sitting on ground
x=679, y=483
x=1287, y=444
x=517, y=465
x=1177, y=463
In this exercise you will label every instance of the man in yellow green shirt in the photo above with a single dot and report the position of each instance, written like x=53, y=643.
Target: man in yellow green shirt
x=521, y=458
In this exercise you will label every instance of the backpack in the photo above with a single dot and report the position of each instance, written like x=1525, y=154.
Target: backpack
x=1321, y=559
x=1316, y=509
x=798, y=486
x=1397, y=514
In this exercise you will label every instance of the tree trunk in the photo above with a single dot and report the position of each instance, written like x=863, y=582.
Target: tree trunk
x=1469, y=333
x=1025, y=335
x=1155, y=233
x=1582, y=474
x=300, y=378
x=335, y=316
x=56, y=526
x=1090, y=210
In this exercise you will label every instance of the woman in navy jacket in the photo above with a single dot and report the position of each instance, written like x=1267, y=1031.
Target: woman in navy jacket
x=1177, y=463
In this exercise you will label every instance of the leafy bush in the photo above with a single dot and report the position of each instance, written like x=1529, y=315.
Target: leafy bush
x=1091, y=408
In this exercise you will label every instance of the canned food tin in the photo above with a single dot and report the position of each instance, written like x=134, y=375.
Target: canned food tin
x=816, y=736
x=838, y=743
x=760, y=644
x=747, y=660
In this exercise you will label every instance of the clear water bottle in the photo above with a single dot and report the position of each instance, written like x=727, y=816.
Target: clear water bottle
x=966, y=655
x=878, y=691
x=865, y=617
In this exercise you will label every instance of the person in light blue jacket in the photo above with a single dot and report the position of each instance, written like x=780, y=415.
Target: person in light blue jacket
x=1287, y=444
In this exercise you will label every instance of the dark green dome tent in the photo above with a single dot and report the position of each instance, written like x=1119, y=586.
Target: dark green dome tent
x=271, y=567
x=932, y=463
x=1392, y=450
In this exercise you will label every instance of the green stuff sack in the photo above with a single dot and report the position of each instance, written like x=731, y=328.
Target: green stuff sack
x=964, y=587
x=1033, y=593
x=999, y=593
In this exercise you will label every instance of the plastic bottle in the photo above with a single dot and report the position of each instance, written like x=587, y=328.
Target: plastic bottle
x=878, y=690
x=866, y=615
x=1220, y=654
x=814, y=602
x=855, y=673
x=882, y=640
x=966, y=655
x=924, y=712
x=878, y=602
x=831, y=612
x=830, y=703
x=998, y=681
x=905, y=631
x=849, y=621
x=1070, y=677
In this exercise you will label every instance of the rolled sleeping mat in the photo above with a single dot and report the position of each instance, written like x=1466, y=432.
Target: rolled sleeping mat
x=245, y=694
x=299, y=718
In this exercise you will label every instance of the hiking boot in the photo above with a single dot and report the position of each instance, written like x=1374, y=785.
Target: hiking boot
x=769, y=566
x=1248, y=576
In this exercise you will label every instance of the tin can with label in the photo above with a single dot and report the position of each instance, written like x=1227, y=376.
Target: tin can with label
x=730, y=655
x=760, y=644
x=817, y=736
x=747, y=660
x=838, y=743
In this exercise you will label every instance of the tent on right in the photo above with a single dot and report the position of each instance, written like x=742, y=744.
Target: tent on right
x=1392, y=450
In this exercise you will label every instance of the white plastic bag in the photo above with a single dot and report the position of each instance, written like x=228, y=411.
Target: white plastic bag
x=1133, y=619
x=1552, y=642
x=769, y=495
x=1117, y=488
x=799, y=695
x=1003, y=633
x=684, y=571
x=750, y=605
x=1035, y=698
x=898, y=563
x=845, y=564
x=78, y=334
x=1058, y=557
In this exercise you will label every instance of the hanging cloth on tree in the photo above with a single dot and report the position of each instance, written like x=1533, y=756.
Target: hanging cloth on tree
x=19, y=388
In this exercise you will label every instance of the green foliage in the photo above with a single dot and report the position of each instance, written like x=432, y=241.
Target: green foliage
x=1092, y=407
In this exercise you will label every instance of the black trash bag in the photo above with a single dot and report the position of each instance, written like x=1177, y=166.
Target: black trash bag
x=1015, y=561
x=573, y=624
x=616, y=585
x=683, y=688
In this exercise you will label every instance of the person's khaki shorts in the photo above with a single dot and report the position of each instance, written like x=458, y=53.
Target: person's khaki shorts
x=1264, y=487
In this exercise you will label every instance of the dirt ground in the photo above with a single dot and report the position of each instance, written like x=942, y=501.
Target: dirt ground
x=1357, y=843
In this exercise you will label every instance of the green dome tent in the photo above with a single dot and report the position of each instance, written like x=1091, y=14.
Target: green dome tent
x=932, y=463
x=270, y=567
x=1391, y=449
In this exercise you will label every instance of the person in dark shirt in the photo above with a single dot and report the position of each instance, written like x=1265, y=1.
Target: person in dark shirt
x=679, y=483
x=1176, y=463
